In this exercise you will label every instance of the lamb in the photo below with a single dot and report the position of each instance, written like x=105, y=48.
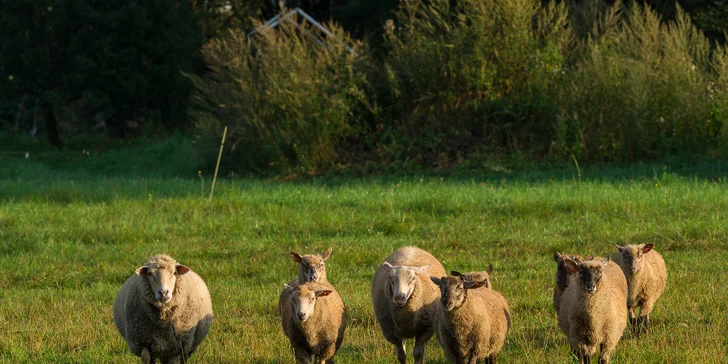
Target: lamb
x=472, y=323
x=562, y=275
x=478, y=276
x=163, y=311
x=593, y=311
x=405, y=301
x=314, y=319
x=646, y=279
x=311, y=268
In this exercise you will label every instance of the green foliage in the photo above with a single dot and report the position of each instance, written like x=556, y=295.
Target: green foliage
x=117, y=59
x=642, y=89
x=287, y=100
x=476, y=77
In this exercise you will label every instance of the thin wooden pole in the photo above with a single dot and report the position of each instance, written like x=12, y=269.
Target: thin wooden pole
x=219, y=156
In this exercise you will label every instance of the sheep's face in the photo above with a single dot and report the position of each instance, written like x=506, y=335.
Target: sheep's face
x=478, y=276
x=453, y=290
x=312, y=267
x=162, y=279
x=303, y=301
x=562, y=272
x=402, y=281
x=632, y=256
x=590, y=273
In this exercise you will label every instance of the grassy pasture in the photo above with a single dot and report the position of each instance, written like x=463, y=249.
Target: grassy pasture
x=67, y=245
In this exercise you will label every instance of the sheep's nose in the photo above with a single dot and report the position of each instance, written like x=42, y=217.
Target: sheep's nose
x=301, y=316
x=400, y=299
x=163, y=292
x=314, y=277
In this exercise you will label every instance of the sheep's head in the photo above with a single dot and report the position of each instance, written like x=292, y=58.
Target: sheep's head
x=590, y=272
x=453, y=290
x=402, y=281
x=312, y=268
x=477, y=276
x=303, y=300
x=161, y=272
x=562, y=272
x=633, y=255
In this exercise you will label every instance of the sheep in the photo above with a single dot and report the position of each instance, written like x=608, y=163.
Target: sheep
x=314, y=319
x=593, y=311
x=472, y=323
x=478, y=276
x=311, y=268
x=163, y=311
x=562, y=275
x=405, y=301
x=646, y=279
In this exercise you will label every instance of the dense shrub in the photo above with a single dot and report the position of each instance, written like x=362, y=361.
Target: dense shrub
x=474, y=78
x=642, y=89
x=286, y=99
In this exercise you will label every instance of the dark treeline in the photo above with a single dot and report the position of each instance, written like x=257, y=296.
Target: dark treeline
x=436, y=83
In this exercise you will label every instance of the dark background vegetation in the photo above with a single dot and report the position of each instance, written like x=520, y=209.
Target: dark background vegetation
x=436, y=85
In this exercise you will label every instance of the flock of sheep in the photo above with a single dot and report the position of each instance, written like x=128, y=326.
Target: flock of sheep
x=164, y=310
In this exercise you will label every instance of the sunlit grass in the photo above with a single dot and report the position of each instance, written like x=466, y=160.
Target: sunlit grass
x=66, y=246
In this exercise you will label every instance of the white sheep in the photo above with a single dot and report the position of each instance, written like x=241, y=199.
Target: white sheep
x=314, y=319
x=472, y=323
x=405, y=301
x=163, y=311
x=593, y=311
x=646, y=280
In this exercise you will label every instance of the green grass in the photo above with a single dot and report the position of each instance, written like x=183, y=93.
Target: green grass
x=68, y=243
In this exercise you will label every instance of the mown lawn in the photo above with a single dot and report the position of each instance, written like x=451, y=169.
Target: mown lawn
x=67, y=245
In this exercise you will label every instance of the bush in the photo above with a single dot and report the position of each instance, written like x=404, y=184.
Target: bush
x=286, y=99
x=640, y=90
x=476, y=77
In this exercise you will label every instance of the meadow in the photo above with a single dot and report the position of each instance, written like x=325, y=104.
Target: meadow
x=69, y=240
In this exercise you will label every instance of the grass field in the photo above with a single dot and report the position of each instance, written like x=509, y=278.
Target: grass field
x=68, y=242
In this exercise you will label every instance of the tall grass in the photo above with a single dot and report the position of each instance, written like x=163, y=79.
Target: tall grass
x=461, y=82
x=287, y=99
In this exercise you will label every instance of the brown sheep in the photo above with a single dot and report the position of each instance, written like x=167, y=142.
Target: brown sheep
x=405, y=301
x=593, y=311
x=314, y=319
x=646, y=280
x=562, y=275
x=472, y=323
x=311, y=268
x=478, y=276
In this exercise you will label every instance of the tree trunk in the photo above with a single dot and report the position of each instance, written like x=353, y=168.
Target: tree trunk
x=51, y=123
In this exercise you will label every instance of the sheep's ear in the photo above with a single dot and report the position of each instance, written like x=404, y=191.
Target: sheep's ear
x=455, y=273
x=295, y=257
x=474, y=284
x=490, y=268
x=389, y=265
x=142, y=271
x=590, y=257
x=286, y=286
x=606, y=260
x=435, y=280
x=619, y=247
x=557, y=257
x=647, y=247
x=323, y=292
x=418, y=270
x=571, y=265
x=326, y=254
x=181, y=269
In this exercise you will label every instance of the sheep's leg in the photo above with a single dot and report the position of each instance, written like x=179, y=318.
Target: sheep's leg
x=420, y=345
x=146, y=357
x=644, y=319
x=302, y=356
x=632, y=318
x=326, y=355
x=401, y=353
